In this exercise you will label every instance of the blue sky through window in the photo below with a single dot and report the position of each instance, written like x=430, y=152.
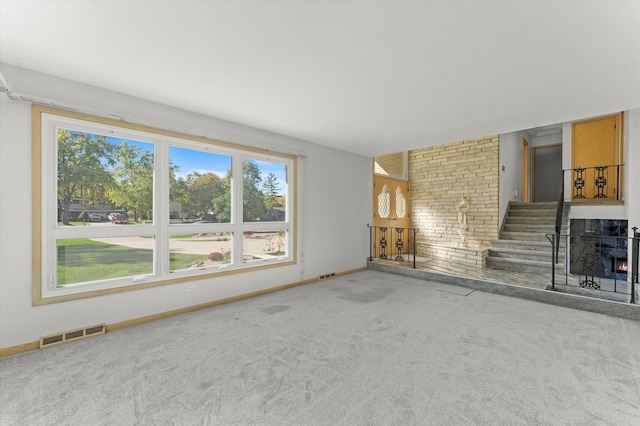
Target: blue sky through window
x=191, y=161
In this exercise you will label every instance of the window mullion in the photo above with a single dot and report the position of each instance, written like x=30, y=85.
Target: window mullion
x=236, y=208
x=161, y=209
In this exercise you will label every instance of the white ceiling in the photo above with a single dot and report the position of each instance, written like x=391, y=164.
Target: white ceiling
x=370, y=77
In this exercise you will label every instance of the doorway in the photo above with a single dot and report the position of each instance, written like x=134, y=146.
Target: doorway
x=390, y=216
x=596, y=156
x=391, y=202
x=547, y=172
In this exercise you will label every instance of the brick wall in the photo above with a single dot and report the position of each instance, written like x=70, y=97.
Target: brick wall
x=439, y=176
x=390, y=165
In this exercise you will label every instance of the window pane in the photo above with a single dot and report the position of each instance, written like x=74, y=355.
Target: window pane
x=401, y=203
x=84, y=260
x=200, y=186
x=202, y=250
x=383, y=202
x=264, y=188
x=264, y=245
x=99, y=175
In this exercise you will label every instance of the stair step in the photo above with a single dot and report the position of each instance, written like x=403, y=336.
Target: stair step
x=520, y=265
x=538, y=255
x=551, y=214
x=530, y=219
x=526, y=245
x=534, y=227
x=525, y=236
x=539, y=205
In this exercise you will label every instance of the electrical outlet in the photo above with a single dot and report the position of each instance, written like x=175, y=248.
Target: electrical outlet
x=192, y=288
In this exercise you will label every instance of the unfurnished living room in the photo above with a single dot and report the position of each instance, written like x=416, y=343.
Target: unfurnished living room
x=319, y=212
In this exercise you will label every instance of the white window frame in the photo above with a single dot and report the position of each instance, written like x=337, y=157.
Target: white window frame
x=46, y=121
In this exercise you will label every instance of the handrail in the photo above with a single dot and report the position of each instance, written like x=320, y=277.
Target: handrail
x=559, y=212
x=594, y=167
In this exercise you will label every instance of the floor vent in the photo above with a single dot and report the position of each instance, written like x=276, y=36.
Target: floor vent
x=327, y=276
x=67, y=336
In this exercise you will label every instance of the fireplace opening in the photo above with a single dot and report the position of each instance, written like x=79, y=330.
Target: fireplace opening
x=620, y=265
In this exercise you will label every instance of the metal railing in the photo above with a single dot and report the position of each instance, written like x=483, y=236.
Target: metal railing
x=559, y=213
x=597, y=262
x=390, y=243
x=601, y=183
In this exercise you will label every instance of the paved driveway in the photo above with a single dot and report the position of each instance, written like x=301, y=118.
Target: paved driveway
x=194, y=245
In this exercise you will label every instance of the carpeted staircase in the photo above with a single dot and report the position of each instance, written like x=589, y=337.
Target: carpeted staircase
x=523, y=245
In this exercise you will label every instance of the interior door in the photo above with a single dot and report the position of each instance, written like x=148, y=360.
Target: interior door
x=390, y=214
x=525, y=170
x=547, y=172
x=596, y=155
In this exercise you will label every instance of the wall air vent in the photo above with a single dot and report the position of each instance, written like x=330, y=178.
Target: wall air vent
x=67, y=336
x=327, y=276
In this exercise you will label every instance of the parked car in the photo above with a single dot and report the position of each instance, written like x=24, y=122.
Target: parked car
x=95, y=218
x=118, y=218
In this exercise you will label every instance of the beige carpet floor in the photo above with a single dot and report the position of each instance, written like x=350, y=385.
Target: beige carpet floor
x=368, y=348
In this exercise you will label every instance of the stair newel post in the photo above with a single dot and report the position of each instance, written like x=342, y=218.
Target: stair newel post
x=553, y=261
x=618, y=183
x=634, y=262
x=415, y=232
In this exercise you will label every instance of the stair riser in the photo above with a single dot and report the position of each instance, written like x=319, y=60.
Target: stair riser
x=506, y=244
x=524, y=237
x=542, y=257
x=538, y=205
x=495, y=263
x=527, y=219
x=538, y=219
x=540, y=229
x=533, y=213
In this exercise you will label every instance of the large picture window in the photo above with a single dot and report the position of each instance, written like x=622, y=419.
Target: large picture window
x=120, y=206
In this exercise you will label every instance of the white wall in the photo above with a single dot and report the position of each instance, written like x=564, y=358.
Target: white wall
x=334, y=206
x=511, y=177
x=537, y=141
x=632, y=171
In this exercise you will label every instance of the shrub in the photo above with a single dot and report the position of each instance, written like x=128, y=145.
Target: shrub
x=216, y=256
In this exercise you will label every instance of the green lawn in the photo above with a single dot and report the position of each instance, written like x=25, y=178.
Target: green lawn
x=81, y=260
x=129, y=222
